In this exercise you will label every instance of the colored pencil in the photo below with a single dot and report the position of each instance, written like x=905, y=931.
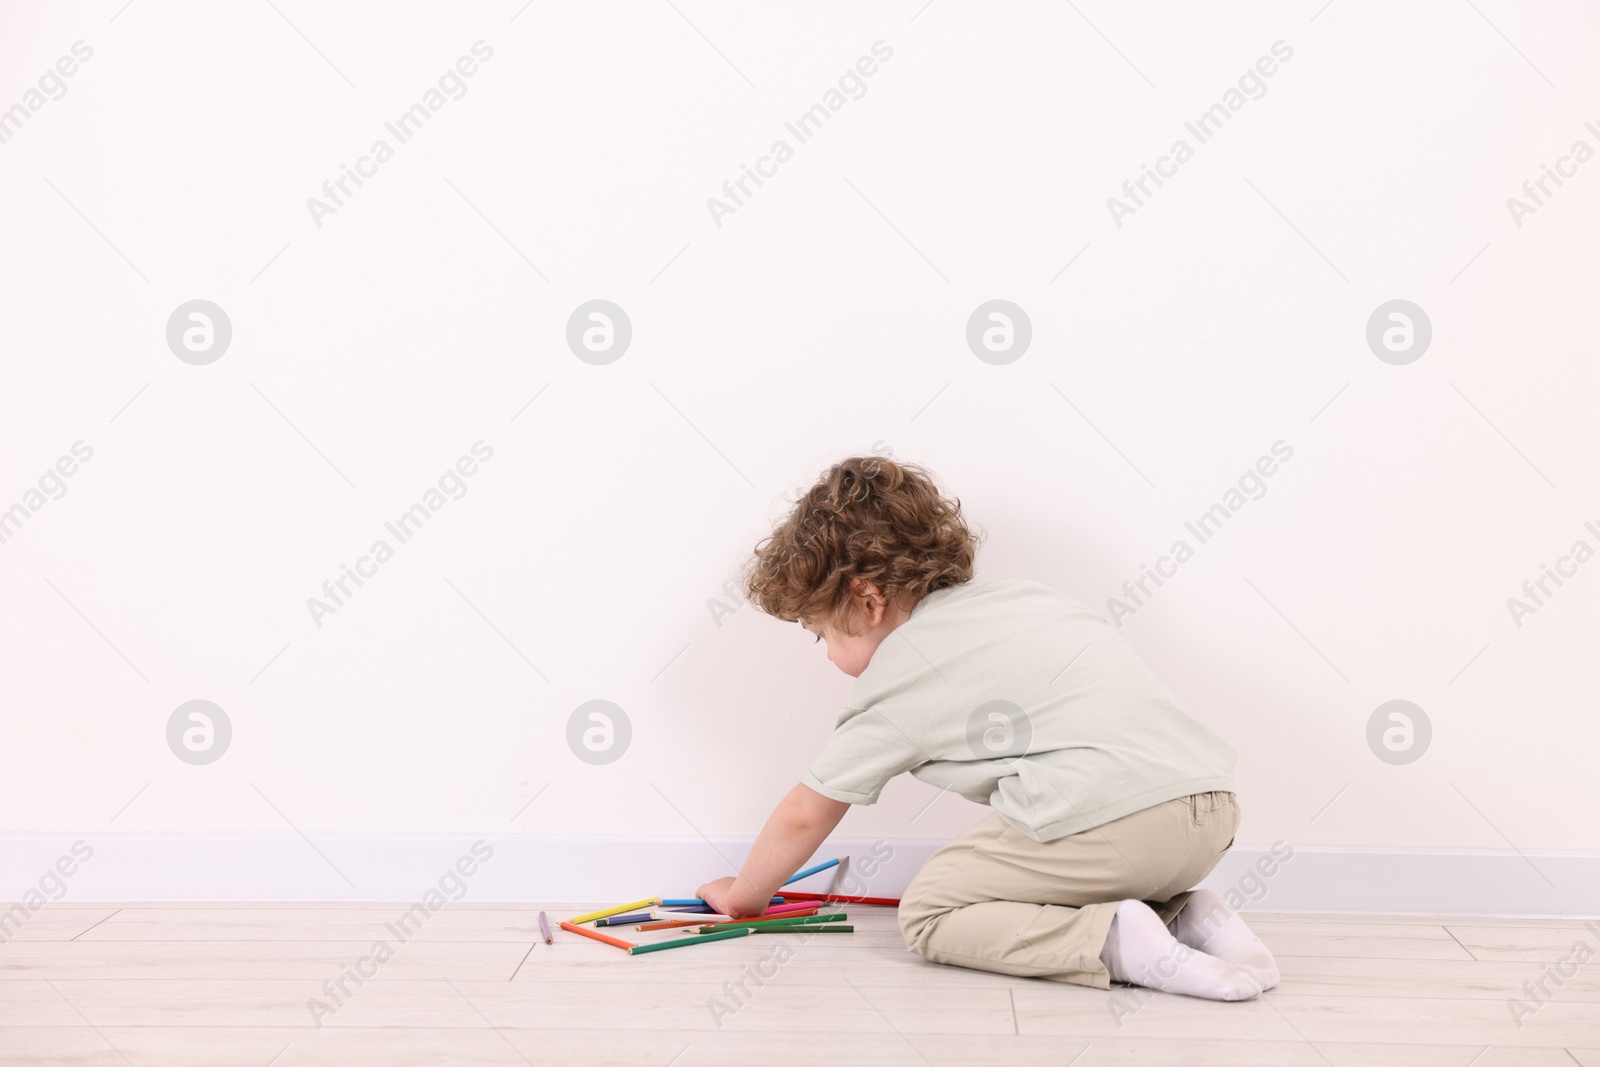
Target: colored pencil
x=799, y=905
x=800, y=914
x=705, y=917
x=811, y=870
x=544, y=928
x=596, y=935
x=844, y=928
x=668, y=914
x=618, y=910
x=839, y=898
x=757, y=919
x=798, y=920
x=696, y=902
x=668, y=924
x=624, y=920
x=793, y=911
x=808, y=920
x=679, y=942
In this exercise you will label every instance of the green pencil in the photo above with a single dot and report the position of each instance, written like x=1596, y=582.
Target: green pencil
x=678, y=942
x=844, y=928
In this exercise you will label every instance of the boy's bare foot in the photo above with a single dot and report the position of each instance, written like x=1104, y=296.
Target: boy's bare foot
x=1208, y=923
x=1140, y=949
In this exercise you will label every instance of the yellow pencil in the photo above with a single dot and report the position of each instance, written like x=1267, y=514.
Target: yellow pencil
x=618, y=910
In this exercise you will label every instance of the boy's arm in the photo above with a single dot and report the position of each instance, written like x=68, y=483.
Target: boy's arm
x=799, y=824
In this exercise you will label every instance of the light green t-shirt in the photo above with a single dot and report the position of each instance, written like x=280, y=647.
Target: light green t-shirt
x=1017, y=696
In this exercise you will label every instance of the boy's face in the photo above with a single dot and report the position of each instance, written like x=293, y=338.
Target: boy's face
x=874, y=620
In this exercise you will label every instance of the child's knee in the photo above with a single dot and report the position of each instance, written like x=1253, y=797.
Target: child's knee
x=917, y=918
x=917, y=930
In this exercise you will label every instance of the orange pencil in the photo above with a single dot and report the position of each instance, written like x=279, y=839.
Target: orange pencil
x=617, y=941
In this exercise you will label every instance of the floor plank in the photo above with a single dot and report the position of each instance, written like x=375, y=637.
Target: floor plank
x=1542, y=944
x=176, y=984
x=53, y=922
x=312, y=960
x=151, y=1046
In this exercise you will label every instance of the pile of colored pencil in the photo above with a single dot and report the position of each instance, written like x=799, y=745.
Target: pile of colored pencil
x=695, y=922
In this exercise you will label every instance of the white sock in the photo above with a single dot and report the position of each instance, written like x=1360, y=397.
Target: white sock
x=1139, y=949
x=1208, y=923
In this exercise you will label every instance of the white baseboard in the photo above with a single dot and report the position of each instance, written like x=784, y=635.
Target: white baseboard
x=138, y=868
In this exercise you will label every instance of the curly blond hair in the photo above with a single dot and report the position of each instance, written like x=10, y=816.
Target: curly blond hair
x=867, y=517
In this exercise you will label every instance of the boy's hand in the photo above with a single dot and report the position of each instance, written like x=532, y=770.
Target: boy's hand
x=724, y=899
x=793, y=832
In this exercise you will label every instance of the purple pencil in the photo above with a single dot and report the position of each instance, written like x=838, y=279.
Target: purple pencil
x=544, y=928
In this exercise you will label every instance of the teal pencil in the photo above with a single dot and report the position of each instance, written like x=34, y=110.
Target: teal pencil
x=679, y=942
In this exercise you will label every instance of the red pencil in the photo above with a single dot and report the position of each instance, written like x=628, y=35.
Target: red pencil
x=617, y=941
x=835, y=898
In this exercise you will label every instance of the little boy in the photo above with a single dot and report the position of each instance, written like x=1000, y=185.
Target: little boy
x=1109, y=802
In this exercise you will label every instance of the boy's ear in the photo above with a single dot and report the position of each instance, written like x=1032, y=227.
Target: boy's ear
x=864, y=589
x=871, y=598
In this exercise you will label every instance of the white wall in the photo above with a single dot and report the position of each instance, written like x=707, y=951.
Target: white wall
x=826, y=316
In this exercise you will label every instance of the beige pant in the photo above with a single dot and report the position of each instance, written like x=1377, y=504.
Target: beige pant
x=994, y=899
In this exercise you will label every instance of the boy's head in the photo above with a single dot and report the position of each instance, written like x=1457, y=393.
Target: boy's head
x=858, y=551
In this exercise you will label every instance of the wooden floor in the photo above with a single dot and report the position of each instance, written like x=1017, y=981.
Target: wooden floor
x=177, y=985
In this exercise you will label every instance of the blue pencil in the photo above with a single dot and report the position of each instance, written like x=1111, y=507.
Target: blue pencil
x=812, y=870
x=624, y=920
